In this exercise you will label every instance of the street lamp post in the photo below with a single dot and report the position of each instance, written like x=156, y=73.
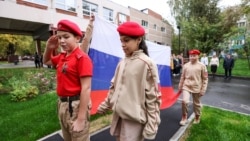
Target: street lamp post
x=179, y=28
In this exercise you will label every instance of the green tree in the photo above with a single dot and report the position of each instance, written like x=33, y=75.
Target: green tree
x=203, y=24
x=23, y=45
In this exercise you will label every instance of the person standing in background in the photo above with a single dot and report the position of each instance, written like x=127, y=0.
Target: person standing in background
x=41, y=60
x=228, y=65
x=204, y=59
x=37, y=60
x=214, y=64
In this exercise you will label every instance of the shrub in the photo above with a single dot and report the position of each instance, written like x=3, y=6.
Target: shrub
x=22, y=90
x=44, y=81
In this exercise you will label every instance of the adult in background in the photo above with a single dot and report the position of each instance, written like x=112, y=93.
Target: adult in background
x=134, y=94
x=37, y=60
x=74, y=71
x=228, y=65
x=214, y=64
x=204, y=59
x=177, y=65
x=41, y=60
x=193, y=81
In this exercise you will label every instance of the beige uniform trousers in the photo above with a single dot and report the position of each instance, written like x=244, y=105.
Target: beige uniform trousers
x=66, y=122
x=127, y=130
x=196, y=102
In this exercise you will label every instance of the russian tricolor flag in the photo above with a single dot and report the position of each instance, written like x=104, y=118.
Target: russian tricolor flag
x=106, y=51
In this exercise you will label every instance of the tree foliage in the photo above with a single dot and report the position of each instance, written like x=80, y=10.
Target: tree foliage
x=23, y=45
x=203, y=24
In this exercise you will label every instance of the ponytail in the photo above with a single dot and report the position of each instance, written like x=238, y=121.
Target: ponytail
x=144, y=47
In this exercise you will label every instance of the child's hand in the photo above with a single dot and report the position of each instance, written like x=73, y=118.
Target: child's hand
x=92, y=17
x=100, y=112
x=52, y=42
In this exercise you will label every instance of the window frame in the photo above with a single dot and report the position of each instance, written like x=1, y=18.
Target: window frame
x=66, y=6
x=144, y=23
x=91, y=7
x=108, y=17
x=45, y=3
x=121, y=16
x=163, y=29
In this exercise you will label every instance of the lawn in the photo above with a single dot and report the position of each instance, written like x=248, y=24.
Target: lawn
x=29, y=120
x=36, y=117
x=219, y=125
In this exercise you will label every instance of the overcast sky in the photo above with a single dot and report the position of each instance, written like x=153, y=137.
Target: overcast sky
x=161, y=6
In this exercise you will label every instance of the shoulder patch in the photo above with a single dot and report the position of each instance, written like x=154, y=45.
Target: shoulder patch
x=79, y=55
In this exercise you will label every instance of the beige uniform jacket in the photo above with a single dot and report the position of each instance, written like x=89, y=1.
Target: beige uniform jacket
x=134, y=93
x=194, y=78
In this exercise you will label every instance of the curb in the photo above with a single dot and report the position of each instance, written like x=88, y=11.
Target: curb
x=50, y=135
x=237, y=77
x=182, y=129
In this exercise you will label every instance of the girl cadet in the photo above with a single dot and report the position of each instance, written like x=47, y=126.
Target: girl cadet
x=74, y=73
x=134, y=95
x=193, y=81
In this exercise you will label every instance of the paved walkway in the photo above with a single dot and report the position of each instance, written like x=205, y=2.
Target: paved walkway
x=21, y=64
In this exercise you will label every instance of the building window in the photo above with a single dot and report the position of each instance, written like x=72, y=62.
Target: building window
x=69, y=5
x=163, y=29
x=242, y=24
x=122, y=18
x=144, y=23
x=239, y=42
x=155, y=27
x=108, y=14
x=41, y=2
x=89, y=8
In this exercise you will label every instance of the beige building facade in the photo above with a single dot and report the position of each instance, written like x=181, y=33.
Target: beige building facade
x=38, y=18
x=157, y=29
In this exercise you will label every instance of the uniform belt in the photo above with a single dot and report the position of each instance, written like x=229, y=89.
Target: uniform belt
x=70, y=98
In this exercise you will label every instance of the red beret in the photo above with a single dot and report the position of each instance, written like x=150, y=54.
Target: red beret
x=66, y=25
x=131, y=29
x=194, y=52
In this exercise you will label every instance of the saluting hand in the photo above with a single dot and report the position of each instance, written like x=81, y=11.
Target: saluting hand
x=52, y=42
x=92, y=17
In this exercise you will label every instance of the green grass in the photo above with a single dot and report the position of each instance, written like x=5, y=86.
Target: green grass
x=220, y=125
x=30, y=120
x=241, y=68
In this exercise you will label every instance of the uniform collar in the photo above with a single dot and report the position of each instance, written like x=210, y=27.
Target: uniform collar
x=135, y=54
x=71, y=54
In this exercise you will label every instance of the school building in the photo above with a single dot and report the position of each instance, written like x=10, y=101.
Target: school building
x=39, y=18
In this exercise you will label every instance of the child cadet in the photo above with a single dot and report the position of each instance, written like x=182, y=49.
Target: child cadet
x=74, y=73
x=193, y=81
x=134, y=95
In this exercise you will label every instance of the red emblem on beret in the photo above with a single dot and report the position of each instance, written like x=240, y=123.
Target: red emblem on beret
x=194, y=52
x=131, y=29
x=66, y=25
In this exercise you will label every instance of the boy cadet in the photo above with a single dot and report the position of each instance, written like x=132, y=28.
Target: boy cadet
x=193, y=81
x=74, y=73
